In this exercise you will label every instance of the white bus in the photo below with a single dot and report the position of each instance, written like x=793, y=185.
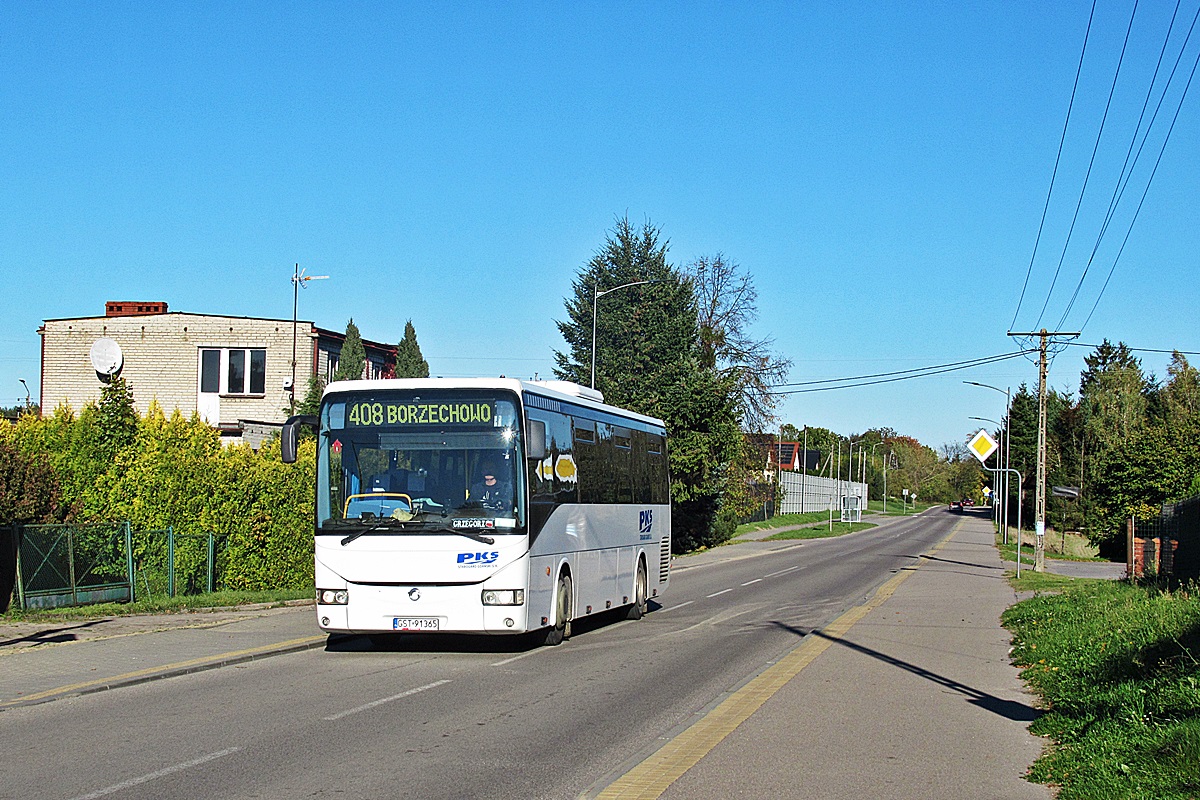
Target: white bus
x=484, y=506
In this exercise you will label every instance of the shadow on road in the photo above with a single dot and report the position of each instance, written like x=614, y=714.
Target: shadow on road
x=52, y=636
x=467, y=643
x=1006, y=708
x=961, y=563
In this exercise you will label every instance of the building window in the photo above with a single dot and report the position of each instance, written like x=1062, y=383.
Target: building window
x=245, y=371
x=210, y=371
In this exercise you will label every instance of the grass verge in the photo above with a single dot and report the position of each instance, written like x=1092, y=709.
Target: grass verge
x=1077, y=548
x=1114, y=665
x=782, y=521
x=820, y=531
x=155, y=605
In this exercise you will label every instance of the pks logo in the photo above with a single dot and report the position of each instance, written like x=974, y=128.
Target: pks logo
x=477, y=559
x=645, y=521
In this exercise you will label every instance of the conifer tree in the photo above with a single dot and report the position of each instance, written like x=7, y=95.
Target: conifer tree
x=648, y=359
x=409, y=361
x=116, y=419
x=353, y=358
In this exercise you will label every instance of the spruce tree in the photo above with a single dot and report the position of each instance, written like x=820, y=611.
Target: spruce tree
x=409, y=362
x=353, y=358
x=649, y=359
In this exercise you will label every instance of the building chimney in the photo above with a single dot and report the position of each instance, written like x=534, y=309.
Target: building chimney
x=129, y=308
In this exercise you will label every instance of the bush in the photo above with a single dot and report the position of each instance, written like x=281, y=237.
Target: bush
x=29, y=488
x=173, y=472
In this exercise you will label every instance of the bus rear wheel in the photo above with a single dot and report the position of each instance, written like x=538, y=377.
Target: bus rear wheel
x=640, y=600
x=561, y=629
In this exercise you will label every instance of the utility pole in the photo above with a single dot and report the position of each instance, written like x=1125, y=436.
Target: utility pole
x=804, y=471
x=1039, y=552
x=299, y=281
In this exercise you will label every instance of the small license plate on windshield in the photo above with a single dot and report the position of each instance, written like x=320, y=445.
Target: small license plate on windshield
x=414, y=623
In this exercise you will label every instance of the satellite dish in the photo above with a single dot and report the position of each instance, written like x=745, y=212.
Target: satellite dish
x=106, y=356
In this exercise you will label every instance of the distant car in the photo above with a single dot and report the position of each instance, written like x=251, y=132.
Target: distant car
x=955, y=505
x=968, y=502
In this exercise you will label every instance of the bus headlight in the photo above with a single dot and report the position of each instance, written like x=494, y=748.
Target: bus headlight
x=332, y=597
x=504, y=597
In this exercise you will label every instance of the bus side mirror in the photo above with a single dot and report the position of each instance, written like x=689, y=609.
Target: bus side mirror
x=289, y=437
x=536, y=444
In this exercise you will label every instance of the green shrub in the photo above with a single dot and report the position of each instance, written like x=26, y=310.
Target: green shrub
x=173, y=472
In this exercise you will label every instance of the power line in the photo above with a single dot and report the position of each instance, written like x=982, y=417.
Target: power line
x=1057, y=160
x=1128, y=167
x=1136, y=349
x=968, y=362
x=892, y=377
x=1091, y=163
x=1150, y=180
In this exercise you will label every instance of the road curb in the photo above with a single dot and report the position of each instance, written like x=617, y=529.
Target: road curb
x=169, y=670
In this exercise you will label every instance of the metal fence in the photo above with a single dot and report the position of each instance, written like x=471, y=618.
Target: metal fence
x=71, y=565
x=67, y=565
x=803, y=493
x=1168, y=544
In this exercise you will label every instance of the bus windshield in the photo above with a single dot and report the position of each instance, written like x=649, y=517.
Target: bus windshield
x=402, y=462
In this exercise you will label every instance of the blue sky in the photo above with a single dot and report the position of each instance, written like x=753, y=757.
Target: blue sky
x=880, y=169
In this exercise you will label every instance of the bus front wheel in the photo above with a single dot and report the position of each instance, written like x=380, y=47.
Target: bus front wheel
x=561, y=629
x=640, y=600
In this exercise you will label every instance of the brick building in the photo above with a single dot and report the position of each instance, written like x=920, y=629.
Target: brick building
x=235, y=372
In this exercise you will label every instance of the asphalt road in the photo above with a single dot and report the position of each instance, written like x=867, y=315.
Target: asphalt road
x=455, y=717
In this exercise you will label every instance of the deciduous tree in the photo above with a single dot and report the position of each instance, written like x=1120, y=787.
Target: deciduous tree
x=727, y=304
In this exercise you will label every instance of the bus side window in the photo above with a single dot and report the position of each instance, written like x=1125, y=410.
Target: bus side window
x=552, y=477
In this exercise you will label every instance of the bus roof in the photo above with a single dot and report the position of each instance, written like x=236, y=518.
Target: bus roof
x=558, y=390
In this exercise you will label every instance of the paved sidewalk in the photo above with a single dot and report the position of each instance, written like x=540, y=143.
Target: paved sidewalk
x=912, y=696
x=40, y=662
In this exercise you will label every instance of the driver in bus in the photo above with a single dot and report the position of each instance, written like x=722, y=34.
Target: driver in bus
x=492, y=491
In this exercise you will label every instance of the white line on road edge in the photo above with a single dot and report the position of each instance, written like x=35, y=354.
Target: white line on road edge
x=756, y=580
x=533, y=652
x=672, y=608
x=375, y=703
x=162, y=773
x=723, y=591
x=783, y=571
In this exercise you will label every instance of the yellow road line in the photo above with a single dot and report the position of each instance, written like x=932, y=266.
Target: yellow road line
x=242, y=655
x=650, y=778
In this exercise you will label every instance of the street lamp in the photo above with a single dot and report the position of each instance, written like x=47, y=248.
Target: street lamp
x=26, y=385
x=1007, y=465
x=596, y=295
x=299, y=279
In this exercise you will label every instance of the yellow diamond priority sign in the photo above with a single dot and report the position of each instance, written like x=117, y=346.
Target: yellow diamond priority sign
x=982, y=445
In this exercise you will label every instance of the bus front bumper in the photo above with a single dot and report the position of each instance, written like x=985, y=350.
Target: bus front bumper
x=420, y=608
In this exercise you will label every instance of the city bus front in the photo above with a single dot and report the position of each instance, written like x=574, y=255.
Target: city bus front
x=420, y=513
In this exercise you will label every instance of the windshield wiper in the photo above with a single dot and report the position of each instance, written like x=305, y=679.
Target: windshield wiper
x=425, y=526
x=377, y=526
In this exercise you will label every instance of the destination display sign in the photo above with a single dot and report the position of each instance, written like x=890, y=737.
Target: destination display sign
x=370, y=414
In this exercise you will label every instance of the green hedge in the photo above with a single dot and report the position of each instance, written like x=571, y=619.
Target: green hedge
x=174, y=472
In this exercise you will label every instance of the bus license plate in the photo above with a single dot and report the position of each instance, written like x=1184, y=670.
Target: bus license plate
x=414, y=623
